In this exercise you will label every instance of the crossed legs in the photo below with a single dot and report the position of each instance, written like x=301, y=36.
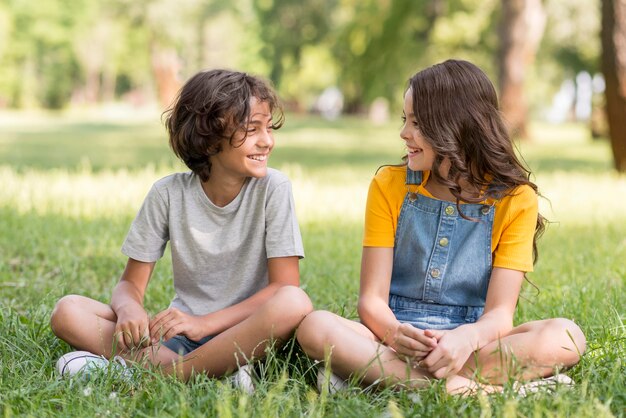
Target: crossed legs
x=529, y=351
x=89, y=325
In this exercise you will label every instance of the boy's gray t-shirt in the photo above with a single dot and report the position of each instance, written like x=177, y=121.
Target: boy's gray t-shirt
x=219, y=254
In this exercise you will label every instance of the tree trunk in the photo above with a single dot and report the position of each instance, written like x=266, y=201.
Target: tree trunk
x=165, y=66
x=521, y=30
x=614, y=69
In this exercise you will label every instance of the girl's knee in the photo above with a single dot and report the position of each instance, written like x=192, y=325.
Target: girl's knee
x=570, y=338
x=313, y=334
x=574, y=334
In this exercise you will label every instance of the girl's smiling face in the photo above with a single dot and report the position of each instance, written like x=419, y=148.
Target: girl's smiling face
x=247, y=158
x=420, y=154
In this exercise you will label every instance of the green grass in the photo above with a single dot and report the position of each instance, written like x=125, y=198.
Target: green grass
x=70, y=189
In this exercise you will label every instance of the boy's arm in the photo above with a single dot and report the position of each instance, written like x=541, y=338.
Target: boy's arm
x=282, y=271
x=127, y=303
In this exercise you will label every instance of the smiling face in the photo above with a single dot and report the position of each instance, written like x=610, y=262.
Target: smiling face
x=247, y=158
x=419, y=152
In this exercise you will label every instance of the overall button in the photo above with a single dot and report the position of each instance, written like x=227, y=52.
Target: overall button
x=450, y=210
x=485, y=209
x=434, y=273
x=443, y=242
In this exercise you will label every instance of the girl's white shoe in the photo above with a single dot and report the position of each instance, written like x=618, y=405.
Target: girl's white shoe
x=548, y=384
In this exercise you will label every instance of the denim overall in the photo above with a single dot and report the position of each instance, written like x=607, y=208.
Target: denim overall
x=441, y=261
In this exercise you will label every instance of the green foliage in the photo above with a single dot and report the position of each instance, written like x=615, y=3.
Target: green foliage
x=65, y=209
x=93, y=51
x=286, y=28
x=378, y=42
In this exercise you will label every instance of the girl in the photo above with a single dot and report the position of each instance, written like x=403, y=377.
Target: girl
x=449, y=236
x=234, y=240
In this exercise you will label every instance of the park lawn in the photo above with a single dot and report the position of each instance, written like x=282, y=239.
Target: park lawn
x=70, y=189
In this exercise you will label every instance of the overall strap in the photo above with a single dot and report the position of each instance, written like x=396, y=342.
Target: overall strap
x=413, y=177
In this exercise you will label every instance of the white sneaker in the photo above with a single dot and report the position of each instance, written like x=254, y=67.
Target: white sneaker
x=85, y=363
x=242, y=379
x=334, y=382
x=548, y=384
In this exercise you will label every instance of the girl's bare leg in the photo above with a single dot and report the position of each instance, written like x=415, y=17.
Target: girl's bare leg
x=531, y=350
x=354, y=349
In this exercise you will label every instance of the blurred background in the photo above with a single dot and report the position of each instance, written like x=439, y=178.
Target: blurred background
x=330, y=57
x=83, y=84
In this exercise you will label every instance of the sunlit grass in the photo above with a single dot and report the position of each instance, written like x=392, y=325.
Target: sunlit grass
x=71, y=188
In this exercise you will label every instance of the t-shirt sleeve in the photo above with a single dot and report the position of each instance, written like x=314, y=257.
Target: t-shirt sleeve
x=379, y=222
x=282, y=233
x=515, y=247
x=149, y=232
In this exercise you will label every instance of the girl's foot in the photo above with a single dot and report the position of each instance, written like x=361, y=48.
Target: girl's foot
x=459, y=385
x=548, y=384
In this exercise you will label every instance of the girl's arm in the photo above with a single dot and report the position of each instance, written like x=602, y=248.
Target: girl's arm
x=282, y=271
x=131, y=329
x=374, y=311
x=455, y=347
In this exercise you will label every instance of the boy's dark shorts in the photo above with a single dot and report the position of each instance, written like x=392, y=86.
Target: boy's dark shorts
x=183, y=345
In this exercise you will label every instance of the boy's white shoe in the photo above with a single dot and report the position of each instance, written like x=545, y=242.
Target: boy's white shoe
x=549, y=384
x=335, y=383
x=85, y=363
x=242, y=379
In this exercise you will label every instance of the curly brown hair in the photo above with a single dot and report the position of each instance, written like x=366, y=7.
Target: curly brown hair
x=456, y=109
x=212, y=107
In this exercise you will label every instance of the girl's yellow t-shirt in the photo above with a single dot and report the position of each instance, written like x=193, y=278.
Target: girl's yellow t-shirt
x=513, y=226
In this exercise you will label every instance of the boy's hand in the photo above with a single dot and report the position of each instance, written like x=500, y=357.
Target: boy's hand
x=131, y=329
x=171, y=322
x=412, y=342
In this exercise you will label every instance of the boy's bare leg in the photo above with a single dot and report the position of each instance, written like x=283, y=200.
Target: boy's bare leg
x=275, y=320
x=89, y=325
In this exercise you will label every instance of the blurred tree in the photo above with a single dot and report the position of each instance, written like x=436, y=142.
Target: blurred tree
x=571, y=36
x=467, y=29
x=614, y=67
x=38, y=64
x=286, y=27
x=521, y=30
x=570, y=46
x=377, y=42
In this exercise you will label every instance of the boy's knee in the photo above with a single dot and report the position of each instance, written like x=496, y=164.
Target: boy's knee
x=291, y=301
x=64, y=311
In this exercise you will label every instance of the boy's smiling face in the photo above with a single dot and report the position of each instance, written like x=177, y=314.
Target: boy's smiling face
x=247, y=158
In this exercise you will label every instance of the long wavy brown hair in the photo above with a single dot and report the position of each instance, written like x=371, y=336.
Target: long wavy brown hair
x=457, y=112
